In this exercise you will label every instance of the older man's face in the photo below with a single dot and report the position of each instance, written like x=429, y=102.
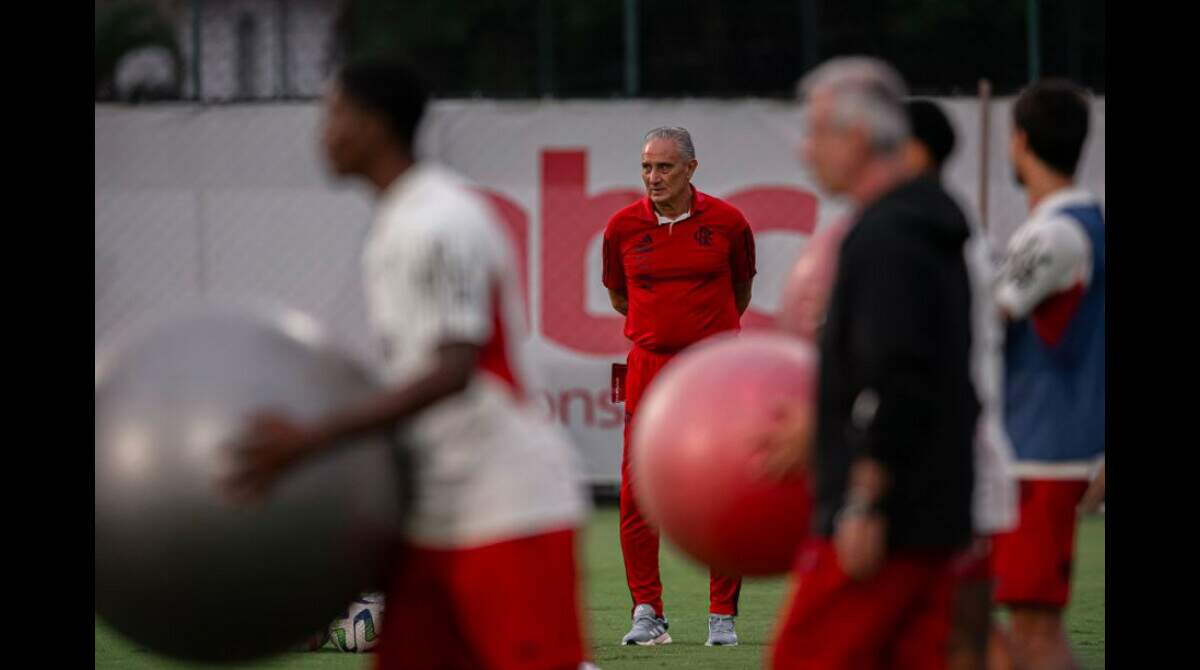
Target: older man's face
x=834, y=153
x=664, y=172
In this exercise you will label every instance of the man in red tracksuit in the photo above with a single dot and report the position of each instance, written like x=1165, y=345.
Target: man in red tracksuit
x=678, y=264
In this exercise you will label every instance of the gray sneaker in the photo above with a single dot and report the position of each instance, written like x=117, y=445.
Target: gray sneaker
x=648, y=629
x=720, y=631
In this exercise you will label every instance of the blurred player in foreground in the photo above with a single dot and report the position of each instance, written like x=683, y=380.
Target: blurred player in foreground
x=1051, y=290
x=896, y=410
x=487, y=577
x=994, y=509
x=995, y=495
x=678, y=265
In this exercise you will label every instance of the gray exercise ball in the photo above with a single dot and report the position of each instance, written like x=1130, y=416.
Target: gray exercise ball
x=180, y=568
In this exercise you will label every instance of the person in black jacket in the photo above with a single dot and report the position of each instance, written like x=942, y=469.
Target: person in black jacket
x=974, y=636
x=896, y=410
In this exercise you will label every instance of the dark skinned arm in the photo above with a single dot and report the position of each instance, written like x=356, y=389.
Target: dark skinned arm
x=275, y=443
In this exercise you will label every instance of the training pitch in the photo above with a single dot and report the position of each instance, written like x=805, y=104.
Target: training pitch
x=686, y=596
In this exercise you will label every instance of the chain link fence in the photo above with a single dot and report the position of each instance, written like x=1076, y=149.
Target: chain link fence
x=224, y=50
x=215, y=50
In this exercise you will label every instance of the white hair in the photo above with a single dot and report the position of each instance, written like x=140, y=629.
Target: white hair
x=680, y=136
x=867, y=91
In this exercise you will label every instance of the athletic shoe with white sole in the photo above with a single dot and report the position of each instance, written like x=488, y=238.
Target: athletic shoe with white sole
x=720, y=631
x=648, y=628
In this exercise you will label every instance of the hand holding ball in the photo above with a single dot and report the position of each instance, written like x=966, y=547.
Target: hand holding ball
x=179, y=567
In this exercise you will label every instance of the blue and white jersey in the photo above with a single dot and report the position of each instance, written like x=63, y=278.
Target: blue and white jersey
x=1051, y=285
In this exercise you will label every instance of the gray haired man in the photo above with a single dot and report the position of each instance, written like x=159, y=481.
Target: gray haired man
x=678, y=264
x=896, y=408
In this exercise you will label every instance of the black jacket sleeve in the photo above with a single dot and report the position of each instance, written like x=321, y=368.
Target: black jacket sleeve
x=892, y=296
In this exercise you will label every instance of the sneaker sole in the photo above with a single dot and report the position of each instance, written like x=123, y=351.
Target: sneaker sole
x=665, y=638
x=720, y=644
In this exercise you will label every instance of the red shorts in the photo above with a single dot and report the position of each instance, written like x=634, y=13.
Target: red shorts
x=508, y=605
x=900, y=618
x=1033, y=561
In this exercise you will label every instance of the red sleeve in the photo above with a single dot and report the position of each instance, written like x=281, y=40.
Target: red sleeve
x=741, y=253
x=614, y=267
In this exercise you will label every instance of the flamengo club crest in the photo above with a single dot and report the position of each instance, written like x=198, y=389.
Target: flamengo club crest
x=703, y=236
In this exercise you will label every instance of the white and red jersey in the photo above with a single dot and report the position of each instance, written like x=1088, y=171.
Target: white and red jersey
x=438, y=268
x=995, y=495
x=1052, y=286
x=1048, y=265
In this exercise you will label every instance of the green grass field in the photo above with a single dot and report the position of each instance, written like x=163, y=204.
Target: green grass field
x=686, y=585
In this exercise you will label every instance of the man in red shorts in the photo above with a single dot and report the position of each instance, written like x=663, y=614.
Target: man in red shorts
x=925, y=154
x=486, y=578
x=896, y=410
x=1051, y=289
x=995, y=497
x=678, y=264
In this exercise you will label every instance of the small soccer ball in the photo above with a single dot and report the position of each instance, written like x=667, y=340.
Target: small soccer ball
x=358, y=631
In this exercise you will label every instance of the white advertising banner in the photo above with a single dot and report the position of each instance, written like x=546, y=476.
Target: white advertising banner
x=234, y=202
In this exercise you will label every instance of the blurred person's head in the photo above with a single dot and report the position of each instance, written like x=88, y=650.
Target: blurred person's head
x=668, y=163
x=372, y=110
x=1050, y=124
x=855, y=124
x=932, y=139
